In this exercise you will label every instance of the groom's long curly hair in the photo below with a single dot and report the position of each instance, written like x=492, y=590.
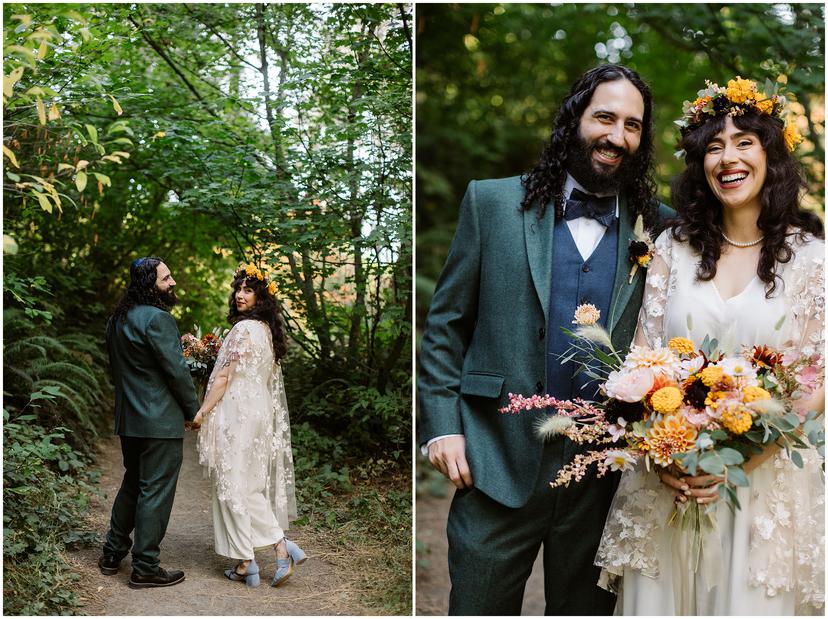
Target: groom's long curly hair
x=142, y=289
x=266, y=309
x=546, y=181
x=700, y=213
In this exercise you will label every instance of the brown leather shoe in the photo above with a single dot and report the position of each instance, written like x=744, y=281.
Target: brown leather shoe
x=109, y=564
x=162, y=578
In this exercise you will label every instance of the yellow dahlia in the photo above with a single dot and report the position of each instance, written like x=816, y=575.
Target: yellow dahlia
x=711, y=375
x=671, y=435
x=792, y=137
x=737, y=419
x=752, y=393
x=764, y=105
x=666, y=400
x=740, y=90
x=681, y=346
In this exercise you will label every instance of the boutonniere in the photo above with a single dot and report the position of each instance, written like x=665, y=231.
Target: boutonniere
x=641, y=248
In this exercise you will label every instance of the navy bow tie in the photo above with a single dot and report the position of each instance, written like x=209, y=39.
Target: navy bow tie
x=582, y=204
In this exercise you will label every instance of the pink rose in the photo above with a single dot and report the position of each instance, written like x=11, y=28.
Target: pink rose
x=629, y=385
x=808, y=378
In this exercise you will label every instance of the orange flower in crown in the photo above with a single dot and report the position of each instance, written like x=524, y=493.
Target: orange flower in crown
x=251, y=271
x=739, y=96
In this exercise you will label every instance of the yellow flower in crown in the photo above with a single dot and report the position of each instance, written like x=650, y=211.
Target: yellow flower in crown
x=271, y=289
x=251, y=270
x=791, y=135
x=740, y=90
x=764, y=105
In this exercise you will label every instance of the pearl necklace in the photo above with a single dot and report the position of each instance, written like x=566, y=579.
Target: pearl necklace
x=749, y=244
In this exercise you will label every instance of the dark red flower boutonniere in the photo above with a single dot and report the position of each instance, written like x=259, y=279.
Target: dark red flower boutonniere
x=641, y=248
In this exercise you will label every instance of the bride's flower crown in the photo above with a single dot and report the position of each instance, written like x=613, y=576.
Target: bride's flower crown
x=251, y=271
x=739, y=96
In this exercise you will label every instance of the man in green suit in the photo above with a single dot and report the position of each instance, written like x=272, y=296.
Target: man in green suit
x=526, y=253
x=154, y=397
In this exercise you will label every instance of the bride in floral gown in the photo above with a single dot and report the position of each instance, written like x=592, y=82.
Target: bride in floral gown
x=244, y=441
x=745, y=265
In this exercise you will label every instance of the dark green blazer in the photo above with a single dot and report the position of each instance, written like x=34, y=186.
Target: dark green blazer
x=154, y=393
x=484, y=335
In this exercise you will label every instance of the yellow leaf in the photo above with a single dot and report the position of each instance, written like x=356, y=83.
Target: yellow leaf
x=24, y=19
x=100, y=187
x=80, y=181
x=160, y=134
x=44, y=202
x=76, y=16
x=9, y=245
x=10, y=80
x=81, y=165
x=120, y=153
x=41, y=110
x=40, y=33
x=65, y=166
x=86, y=34
x=41, y=51
x=54, y=113
x=8, y=153
x=116, y=105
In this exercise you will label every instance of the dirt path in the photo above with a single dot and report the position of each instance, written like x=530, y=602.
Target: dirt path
x=318, y=587
x=433, y=584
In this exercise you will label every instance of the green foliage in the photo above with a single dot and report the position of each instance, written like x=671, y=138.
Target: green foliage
x=46, y=490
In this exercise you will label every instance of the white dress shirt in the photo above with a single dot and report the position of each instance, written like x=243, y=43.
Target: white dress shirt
x=586, y=232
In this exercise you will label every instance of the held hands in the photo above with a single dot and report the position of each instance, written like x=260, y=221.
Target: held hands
x=195, y=424
x=448, y=455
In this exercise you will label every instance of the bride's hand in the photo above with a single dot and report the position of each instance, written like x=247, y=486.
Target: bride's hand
x=703, y=488
x=195, y=424
x=675, y=483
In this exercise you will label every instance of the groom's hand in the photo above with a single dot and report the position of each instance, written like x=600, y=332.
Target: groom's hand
x=448, y=455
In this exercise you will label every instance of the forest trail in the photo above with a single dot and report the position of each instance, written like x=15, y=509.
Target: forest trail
x=433, y=584
x=320, y=586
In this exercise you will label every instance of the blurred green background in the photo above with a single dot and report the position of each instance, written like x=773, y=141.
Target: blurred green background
x=490, y=78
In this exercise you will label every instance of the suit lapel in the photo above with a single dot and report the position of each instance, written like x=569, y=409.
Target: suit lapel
x=622, y=288
x=538, y=235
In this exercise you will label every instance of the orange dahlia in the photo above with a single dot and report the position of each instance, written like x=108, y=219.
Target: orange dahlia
x=670, y=436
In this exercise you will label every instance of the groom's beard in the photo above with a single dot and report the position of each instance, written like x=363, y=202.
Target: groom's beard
x=594, y=177
x=168, y=298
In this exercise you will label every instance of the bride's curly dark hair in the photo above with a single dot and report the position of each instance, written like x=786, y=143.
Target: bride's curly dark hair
x=699, y=220
x=546, y=181
x=266, y=309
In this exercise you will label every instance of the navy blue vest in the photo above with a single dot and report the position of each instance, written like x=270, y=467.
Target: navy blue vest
x=574, y=282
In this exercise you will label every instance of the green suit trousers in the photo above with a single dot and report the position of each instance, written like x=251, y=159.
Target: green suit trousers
x=145, y=500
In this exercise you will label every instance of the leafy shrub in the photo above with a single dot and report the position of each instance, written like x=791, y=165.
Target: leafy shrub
x=46, y=492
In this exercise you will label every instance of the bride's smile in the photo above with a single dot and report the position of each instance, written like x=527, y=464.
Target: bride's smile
x=735, y=164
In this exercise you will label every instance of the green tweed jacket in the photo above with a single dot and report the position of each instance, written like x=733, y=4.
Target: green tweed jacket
x=154, y=393
x=484, y=335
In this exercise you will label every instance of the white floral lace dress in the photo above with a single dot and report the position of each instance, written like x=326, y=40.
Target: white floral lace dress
x=244, y=445
x=772, y=549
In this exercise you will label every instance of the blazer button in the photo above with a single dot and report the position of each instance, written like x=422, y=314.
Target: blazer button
x=585, y=268
x=541, y=333
x=539, y=387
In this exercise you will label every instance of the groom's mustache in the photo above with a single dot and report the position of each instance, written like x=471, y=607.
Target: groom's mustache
x=605, y=145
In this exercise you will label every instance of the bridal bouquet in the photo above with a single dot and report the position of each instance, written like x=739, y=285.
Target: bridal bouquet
x=682, y=406
x=200, y=353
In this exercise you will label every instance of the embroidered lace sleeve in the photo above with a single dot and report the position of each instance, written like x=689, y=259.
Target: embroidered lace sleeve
x=651, y=328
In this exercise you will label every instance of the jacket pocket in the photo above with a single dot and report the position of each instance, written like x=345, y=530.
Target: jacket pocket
x=481, y=384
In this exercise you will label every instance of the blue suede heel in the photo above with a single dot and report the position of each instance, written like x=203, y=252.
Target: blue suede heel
x=284, y=568
x=297, y=554
x=250, y=578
